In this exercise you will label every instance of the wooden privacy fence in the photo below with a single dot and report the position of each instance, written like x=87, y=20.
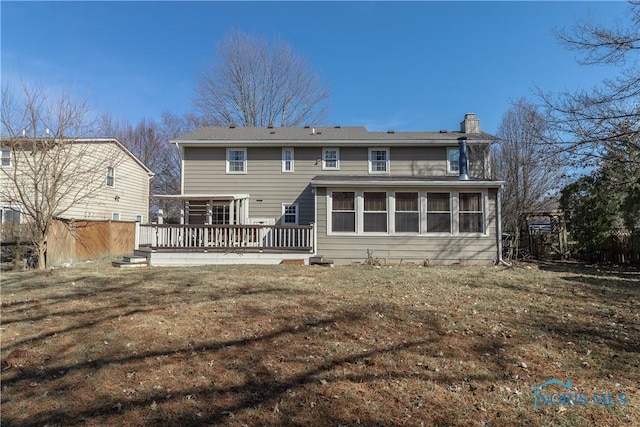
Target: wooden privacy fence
x=71, y=241
x=622, y=248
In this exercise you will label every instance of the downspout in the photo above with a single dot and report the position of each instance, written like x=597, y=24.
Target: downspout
x=183, y=208
x=499, y=228
x=314, y=190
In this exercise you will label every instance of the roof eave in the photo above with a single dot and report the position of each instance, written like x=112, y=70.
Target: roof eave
x=325, y=142
x=406, y=183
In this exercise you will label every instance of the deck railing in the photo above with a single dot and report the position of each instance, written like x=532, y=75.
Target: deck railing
x=257, y=237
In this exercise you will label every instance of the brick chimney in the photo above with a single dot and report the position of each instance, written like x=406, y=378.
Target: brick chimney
x=470, y=124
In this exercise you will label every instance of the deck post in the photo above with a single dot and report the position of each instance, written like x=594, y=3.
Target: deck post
x=313, y=235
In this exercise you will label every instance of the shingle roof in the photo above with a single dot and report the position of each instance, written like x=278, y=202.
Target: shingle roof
x=325, y=134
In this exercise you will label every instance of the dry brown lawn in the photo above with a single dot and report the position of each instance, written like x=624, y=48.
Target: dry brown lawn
x=94, y=345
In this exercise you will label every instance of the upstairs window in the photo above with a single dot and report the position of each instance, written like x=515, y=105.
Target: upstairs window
x=111, y=177
x=115, y=216
x=453, y=163
x=287, y=160
x=6, y=157
x=237, y=160
x=378, y=160
x=330, y=158
x=470, y=216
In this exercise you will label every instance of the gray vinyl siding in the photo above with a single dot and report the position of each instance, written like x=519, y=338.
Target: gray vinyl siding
x=449, y=249
x=269, y=187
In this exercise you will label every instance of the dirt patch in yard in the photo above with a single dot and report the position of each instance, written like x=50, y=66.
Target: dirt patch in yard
x=93, y=345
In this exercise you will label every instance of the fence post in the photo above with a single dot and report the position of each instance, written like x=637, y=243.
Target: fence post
x=136, y=236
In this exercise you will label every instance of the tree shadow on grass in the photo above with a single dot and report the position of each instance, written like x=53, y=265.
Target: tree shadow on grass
x=249, y=358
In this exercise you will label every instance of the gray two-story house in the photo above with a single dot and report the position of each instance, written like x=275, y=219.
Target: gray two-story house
x=267, y=194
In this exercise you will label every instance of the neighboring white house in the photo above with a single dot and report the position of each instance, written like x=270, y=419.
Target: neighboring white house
x=99, y=179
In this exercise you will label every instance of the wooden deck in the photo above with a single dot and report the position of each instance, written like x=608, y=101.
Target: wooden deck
x=227, y=237
x=173, y=244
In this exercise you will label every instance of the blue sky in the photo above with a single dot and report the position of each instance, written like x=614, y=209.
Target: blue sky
x=390, y=65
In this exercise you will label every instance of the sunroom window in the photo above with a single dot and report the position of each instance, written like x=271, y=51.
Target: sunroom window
x=438, y=213
x=470, y=217
x=407, y=213
x=375, y=212
x=343, y=211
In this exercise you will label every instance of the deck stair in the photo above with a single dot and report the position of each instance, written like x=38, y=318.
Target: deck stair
x=320, y=260
x=131, y=262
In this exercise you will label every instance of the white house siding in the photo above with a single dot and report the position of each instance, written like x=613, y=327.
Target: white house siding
x=449, y=249
x=129, y=197
x=131, y=185
x=205, y=173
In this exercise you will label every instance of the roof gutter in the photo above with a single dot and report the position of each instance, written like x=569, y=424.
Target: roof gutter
x=405, y=183
x=322, y=142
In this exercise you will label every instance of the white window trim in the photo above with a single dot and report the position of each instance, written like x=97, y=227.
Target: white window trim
x=422, y=202
x=111, y=168
x=141, y=216
x=113, y=216
x=387, y=161
x=284, y=206
x=450, y=171
x=244, y=162
x=10, y=157
x=324, y=163
x=284, y=161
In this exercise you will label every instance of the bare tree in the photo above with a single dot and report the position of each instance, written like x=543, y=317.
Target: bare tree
x=529, y=167
x=48, y=170
x=260, y=83
x=149, y=141
x=607, y=117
